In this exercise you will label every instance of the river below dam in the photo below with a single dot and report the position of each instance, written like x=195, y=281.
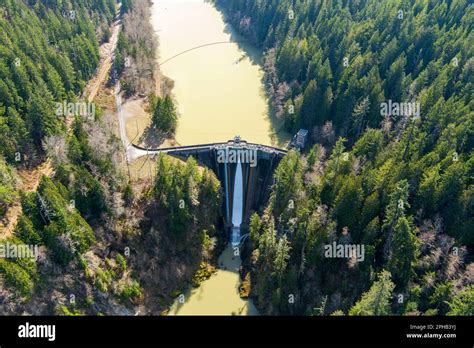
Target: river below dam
x=219, y=295
x=219, y=93
x=217, y=80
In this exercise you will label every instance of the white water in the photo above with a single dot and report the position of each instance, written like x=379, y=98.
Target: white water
x=237, y=206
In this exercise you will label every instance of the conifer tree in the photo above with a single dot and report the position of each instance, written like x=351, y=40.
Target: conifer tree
x=376, y=301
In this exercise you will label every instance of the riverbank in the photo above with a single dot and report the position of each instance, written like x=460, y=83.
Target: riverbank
x=139, y=72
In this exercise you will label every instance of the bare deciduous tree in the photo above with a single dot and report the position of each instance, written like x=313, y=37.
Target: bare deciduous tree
x=56, y=148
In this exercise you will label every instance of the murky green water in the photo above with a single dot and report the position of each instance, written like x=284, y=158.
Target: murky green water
x=219, y=295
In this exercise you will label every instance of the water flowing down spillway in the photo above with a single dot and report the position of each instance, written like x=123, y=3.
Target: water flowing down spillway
x=237, y=205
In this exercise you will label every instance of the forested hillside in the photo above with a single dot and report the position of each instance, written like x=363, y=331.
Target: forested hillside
x=399, y=183
x=49, y=50
x=101, y=247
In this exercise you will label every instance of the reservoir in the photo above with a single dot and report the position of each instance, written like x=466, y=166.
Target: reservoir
x=218, y=79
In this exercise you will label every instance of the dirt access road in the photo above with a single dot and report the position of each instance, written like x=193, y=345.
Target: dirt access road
x=106, y=54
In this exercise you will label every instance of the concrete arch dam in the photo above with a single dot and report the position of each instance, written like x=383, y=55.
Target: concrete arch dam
x=257, y=164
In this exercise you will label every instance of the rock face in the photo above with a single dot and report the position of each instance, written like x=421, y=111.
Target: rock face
x=245, y=287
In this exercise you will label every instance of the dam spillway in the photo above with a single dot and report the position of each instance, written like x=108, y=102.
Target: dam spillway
x=254, y=166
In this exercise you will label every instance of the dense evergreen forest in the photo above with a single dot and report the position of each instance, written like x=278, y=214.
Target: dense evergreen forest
x=49, y=50
x=399, y=183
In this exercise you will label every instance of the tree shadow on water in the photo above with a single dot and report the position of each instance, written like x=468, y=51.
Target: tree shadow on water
x=277, y=130
x=251, y=51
